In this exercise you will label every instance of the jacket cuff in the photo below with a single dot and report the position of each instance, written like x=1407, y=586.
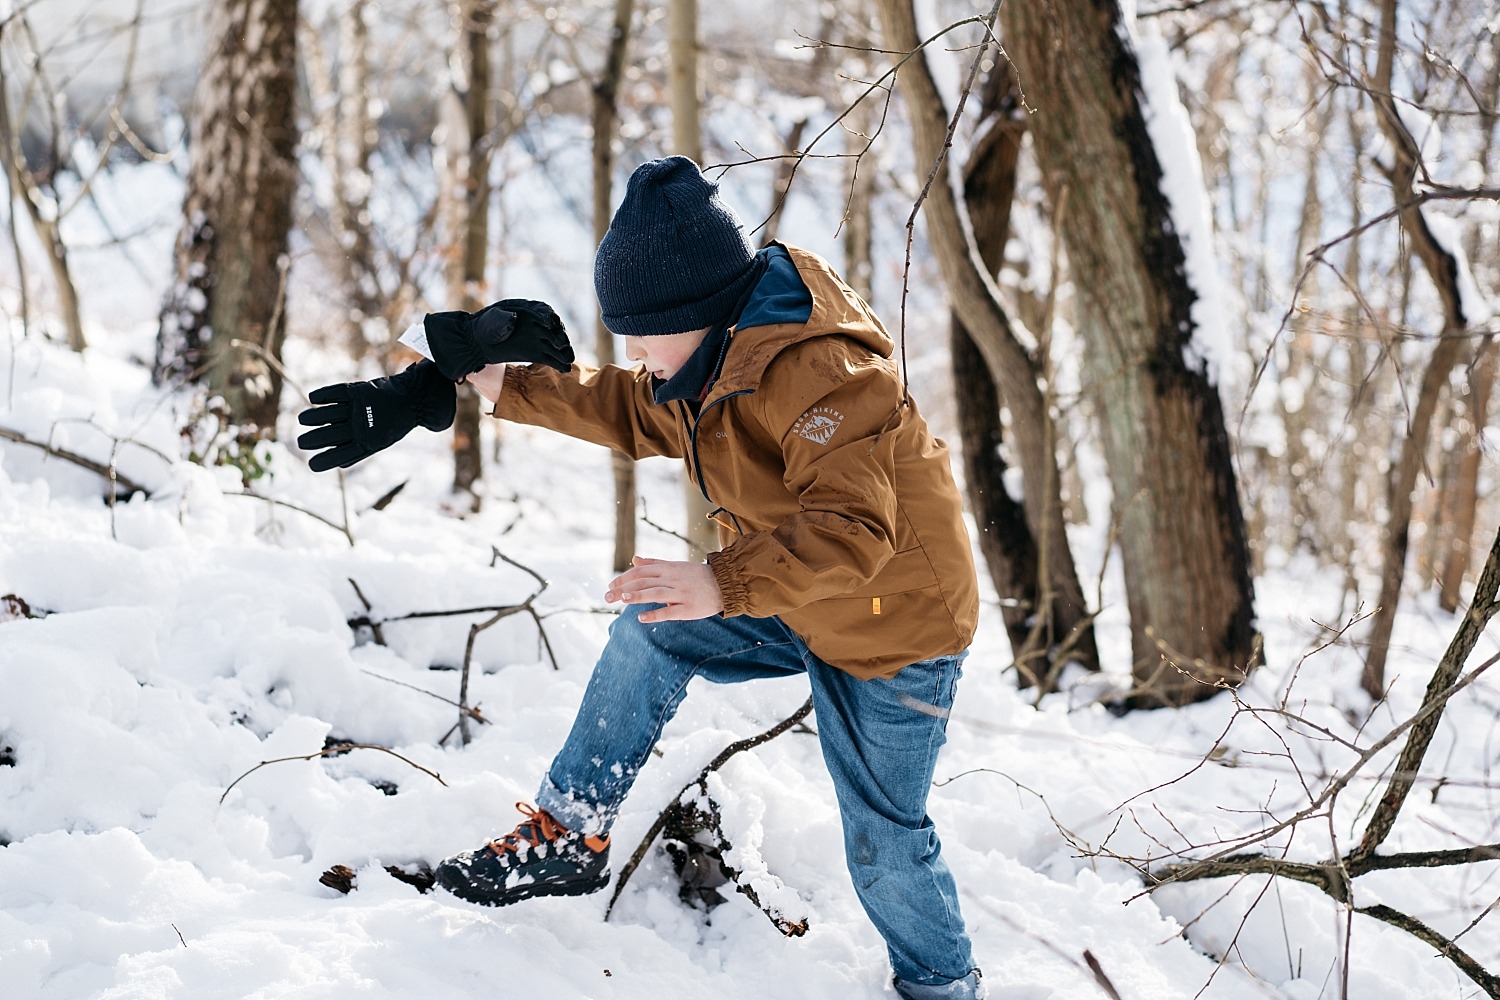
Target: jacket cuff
x=508, y=390
x=732, y=589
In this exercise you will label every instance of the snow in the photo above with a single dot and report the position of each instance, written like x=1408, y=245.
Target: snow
x=187, y=637
x=1477, y=311
x=190, y=636
x=1209, y=347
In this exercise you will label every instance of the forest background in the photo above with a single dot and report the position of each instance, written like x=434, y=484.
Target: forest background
x=1201, y=291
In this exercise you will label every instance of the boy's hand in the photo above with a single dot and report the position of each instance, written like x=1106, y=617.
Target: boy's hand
x=521, y=330
x=688, y=589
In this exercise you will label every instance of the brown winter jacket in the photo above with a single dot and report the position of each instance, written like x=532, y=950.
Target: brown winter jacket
x=839, y=513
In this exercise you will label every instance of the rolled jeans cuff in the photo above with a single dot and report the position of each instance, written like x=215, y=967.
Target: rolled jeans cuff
x=573, y=813
x=970, y=987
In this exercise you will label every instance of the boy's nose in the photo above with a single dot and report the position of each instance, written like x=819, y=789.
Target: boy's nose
x=634, y=351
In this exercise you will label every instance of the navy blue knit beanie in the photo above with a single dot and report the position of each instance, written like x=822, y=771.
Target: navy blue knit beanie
x=675, y=258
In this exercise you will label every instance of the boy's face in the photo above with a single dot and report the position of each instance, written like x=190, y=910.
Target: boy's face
x=665, y=354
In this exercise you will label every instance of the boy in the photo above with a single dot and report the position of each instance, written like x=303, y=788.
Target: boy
x=844, y=555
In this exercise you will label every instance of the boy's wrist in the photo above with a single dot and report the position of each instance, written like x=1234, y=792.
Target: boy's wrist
x=489, y=381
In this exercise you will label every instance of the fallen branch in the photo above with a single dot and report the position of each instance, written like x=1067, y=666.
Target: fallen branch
x=701, y=783
x=1335, y=876
x=109, y=472
x=694, y=839
x=1486, y=981
x=342, y=878
x=13, y=607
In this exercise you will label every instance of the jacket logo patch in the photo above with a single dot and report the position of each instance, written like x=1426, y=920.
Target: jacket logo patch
x=818, y=424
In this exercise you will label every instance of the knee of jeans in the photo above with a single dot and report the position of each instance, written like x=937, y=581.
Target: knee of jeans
x=872, y=855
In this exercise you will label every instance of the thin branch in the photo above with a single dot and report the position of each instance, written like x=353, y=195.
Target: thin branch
x=329, y=752
x=1487, y=981
x=728, y=752
x=342, y=529
x=112, y=475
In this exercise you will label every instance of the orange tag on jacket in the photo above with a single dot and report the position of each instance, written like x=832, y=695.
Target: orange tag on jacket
x=874, y=605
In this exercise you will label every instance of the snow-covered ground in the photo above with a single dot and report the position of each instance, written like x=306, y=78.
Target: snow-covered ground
x=184, y=638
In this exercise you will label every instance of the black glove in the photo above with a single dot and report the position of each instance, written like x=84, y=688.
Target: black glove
x=362, y=418
x=510, y=330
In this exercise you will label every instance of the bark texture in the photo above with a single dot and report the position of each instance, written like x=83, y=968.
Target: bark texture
x=466, y=198
x=223, y=314
x=1015, y=370
x=1176, y=505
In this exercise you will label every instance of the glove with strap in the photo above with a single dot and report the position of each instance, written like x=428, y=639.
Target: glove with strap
x=360, y=418
x=520, y=330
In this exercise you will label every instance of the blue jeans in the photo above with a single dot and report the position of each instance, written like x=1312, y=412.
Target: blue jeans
x=880, y=740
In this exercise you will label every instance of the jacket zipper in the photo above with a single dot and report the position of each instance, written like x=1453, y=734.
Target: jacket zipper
x=693, y=439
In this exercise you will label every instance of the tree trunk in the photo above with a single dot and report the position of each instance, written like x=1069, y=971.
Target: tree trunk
x=1442, y=269
x=467, y=202
x=223, y=314
x=1458, y=557
x=1176, y=504
x=975, y=297
x=687, y=140
x=1005, y=538
x=605, y=119
x=353, y=145
x=791, y=144
x=24, y=187
x=859, y=264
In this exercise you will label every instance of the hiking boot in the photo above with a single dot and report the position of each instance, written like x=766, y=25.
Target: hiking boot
x=540, y=857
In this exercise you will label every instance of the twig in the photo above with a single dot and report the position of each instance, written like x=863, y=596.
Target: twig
x=472, y=711
x=1090, y=965
x=342, y=529
x=464, y=712
x=1335, y=877
x=373, y=626
x=329, y=752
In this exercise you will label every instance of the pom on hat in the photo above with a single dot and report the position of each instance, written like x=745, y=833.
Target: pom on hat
x=675, y=258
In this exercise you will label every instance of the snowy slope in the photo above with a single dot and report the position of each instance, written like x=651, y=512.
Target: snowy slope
x=187, y=637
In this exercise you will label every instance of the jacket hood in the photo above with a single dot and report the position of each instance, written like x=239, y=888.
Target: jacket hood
x=837, y=310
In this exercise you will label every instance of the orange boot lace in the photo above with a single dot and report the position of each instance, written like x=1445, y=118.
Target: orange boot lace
x=537, y=828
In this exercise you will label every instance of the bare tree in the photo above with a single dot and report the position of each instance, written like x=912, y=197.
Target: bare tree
x=34, y=169
x=224, y=313
x=687, y=140
x=1044, y=613
x=467, y=147
x=1442, y=267
x=605, y=117
x=1015, y=367
x=344, y=99
x=1176, y=500
x=1262, y=851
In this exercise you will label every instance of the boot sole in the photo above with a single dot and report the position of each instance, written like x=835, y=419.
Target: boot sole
x=469, y=892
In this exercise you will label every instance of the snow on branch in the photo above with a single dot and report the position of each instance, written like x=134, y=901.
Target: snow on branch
x=704, y=857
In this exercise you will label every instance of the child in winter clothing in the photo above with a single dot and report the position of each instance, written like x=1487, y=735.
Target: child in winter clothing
x=844, y=556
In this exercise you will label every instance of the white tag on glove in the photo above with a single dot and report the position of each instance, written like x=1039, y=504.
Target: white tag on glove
x=415, y=337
